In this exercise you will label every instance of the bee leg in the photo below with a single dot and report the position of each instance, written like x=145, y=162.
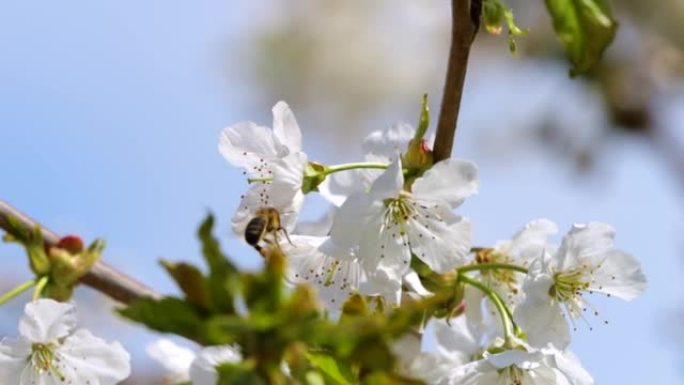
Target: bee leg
x=287, y=236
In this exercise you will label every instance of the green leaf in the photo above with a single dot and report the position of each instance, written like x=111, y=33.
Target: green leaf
x=211, y=250
x=585, y=28
x=335, y=372
x=223, y=275
x=168, y=315
x=238, y=374
x=191, y=281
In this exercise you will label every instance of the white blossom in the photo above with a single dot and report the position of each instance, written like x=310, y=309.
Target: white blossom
x=273, y=161
x=389, y=224
x=585, y=263
x=50, y=351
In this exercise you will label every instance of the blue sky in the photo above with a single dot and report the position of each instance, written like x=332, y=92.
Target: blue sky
x=109, y=118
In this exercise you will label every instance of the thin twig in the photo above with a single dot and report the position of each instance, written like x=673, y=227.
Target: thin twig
x=102, y=277
x=465, y=21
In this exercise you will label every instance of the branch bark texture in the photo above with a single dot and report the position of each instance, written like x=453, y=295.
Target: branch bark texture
x=102, y=277
x=465, y=21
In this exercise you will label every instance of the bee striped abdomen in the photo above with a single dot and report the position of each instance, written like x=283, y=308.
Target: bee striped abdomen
x=255, y=230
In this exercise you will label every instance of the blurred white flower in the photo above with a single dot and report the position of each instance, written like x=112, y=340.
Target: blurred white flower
x=586, y=262
x=389, y=224
x=203, y=368
x=183, y=365
x=415, y=363
x=385, y=145
x=175, y=359
x=49, y=351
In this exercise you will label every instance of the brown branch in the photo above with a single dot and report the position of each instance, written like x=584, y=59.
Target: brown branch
x=465, y=21
x=102, y=277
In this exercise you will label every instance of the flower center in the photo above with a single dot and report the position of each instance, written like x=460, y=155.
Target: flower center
x=43, y=359
x=569, y=285
x=398, y=212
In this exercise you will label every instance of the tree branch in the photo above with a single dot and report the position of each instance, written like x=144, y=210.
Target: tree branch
x=465, y=21
x=102, y=277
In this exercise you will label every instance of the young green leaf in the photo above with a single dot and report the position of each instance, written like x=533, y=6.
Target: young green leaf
x=335, y=371
x=191, y=281
x=585, y=28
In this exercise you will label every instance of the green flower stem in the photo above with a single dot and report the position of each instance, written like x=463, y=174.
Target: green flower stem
x=40, y=286
x=351, y=166
x=506, y=319
x=490, y=266
x=16, y=291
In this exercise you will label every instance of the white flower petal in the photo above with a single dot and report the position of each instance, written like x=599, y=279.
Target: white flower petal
x=334, y=279
x=457, y=340
x=46, y=320
x=319, y=227
x=348, y=222
x=247, y=145
x=540, y=316
x=451, y=180
x=175, y=359
x=385, y=145
x=619, y=275
x=380, y=283
x=389, y=183
x=412, y=281
x=570, y=366
x=338, y=186
x=285, y=128
x=531, y=241
x=203, y=369
x=520, y=358
x=384, y=249
x=289, y=171
x=438, y=236
x=475, y=373
x=92, y=357
x=13, y=356
x=442, y=241
x=589, y=241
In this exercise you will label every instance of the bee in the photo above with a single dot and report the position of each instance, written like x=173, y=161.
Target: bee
x=266, y=221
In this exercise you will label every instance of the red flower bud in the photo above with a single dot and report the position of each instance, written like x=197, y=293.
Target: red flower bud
x=71, y=243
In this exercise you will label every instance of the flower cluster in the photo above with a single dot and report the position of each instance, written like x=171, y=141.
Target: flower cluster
x=393, y=225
